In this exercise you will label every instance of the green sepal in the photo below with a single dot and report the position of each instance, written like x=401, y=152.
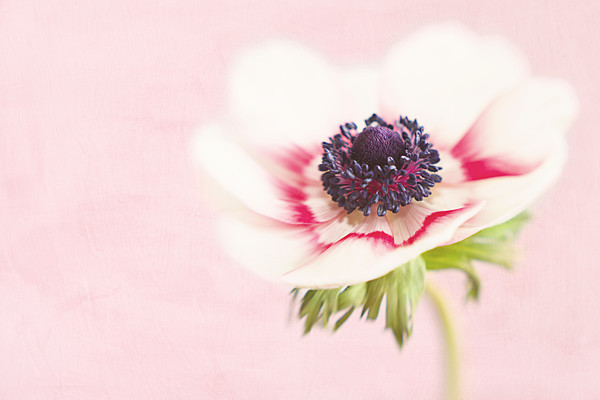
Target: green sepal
x=403, y=287
x=403, y=292
x=493, y=245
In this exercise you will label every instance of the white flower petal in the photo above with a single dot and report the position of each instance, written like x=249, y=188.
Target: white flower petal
x=524, y=131
x=360, y=93
x=363, y=257
x=446, y=197
x=274, y=249
x=287, y=189
x=228, y=165
x=350, y=224
x=303, y=189
x=318, y=204
x=409, y=222
x=445, y=76
x=516, y=132
x=282, y=93
x=266, y=247
x=507, y=196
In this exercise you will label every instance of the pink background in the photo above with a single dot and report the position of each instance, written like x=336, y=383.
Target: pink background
x=110, y=283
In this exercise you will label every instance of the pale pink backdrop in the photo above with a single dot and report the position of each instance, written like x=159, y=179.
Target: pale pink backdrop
x=111, y=285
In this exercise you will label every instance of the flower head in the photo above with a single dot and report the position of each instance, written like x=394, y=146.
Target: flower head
x=328, y=178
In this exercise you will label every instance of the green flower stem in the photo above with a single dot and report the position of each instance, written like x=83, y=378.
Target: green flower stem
x=453, y=378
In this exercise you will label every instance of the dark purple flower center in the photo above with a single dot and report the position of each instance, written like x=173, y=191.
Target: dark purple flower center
x=375, y=144
x=384, y=164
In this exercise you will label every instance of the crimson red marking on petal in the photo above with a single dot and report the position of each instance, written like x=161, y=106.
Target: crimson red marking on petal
x=303, y=215
x=293, y=193
x=427, y=222
x=295, y=197
x=476, y=167
x=321, y=247
x=378, y=236
x=490, y=168
x=296, y=158
x=465, y=149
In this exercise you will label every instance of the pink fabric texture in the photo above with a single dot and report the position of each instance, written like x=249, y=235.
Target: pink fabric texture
x=112, y=285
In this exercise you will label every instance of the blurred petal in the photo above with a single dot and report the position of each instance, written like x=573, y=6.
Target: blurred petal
x=294, y=197
x=228, y=165
x=360, y=94
x=507, y=196
x=301, y=185
x=517, y=132
x=360, y=257
x=332, y=255
x=318, y=204
x=452, y=171
x=515, y=151
x=445, y=76
x=282, y=93
x=266, y=247
x=274, y=249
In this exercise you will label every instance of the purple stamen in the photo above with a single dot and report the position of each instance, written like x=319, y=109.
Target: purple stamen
x=385, y=164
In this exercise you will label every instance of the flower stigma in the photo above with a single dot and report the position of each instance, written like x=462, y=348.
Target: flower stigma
x=384, y=164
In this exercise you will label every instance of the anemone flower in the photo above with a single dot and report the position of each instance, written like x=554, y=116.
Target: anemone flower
x=332, y=176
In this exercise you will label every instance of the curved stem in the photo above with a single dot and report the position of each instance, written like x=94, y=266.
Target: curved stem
x=451, y=341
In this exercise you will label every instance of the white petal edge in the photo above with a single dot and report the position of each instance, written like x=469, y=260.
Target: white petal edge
x=281, y=93
x=445, y=76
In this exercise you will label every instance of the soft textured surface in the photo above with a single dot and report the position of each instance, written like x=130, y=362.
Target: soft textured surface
x=111, y=285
